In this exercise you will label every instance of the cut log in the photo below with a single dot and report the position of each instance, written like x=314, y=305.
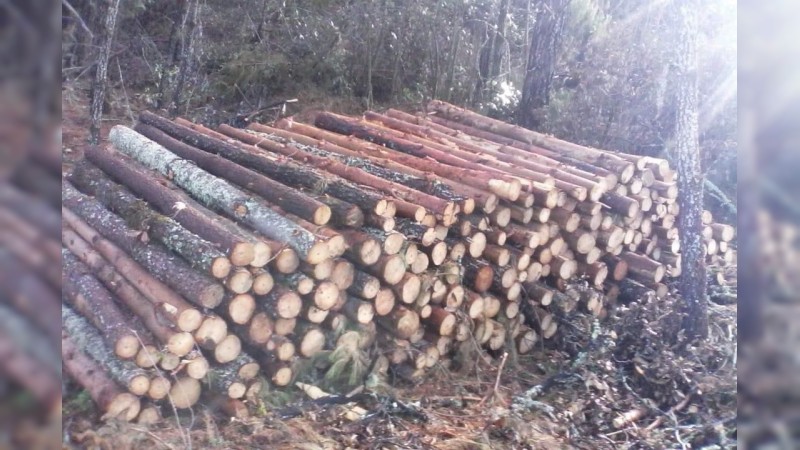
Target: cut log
x=364, y=285
x=342, y=274
x=238, y=308
x=238, y=247
x=384, y=167
x=171, y=270
x=86, y=295
x=589, y=155
x=92, y=376
x=185, y=392
x=358, y=310
x=287, y=198
x=219, y=194
x=239, y=281
x=282, y=302
x=200, y=253
x=441, y=207
x=178, y=343
x=263, y=281
x=643, y=268
x=478, y=274
x=401, y=322
x=384, y=301
x=86, y=337
x=212, y=331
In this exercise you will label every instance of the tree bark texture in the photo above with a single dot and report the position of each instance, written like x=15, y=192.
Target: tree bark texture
x=101, y=75
x=690, y=183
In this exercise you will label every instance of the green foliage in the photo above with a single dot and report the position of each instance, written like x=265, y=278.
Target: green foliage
x=79, y=404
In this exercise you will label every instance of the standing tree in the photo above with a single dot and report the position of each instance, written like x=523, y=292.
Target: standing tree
x=542, y=57
x=690, y=183
x=191, y=30
x=101, y=74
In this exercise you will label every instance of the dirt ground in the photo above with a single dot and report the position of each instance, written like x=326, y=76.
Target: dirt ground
x=627, y=382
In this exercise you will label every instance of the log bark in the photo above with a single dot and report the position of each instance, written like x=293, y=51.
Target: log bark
x=364, y=285
x=442, y=163
x=86, y=337
x=200, y=253
x=219, y=194
x=29, y=295
x=586, y=154
x=292, y=200
x=92, y=376
x=87, y=296
x=349, y=146
x=171, y=270
x=168, y=305
x=284, y=170
x=173, y=202
x=441, y=207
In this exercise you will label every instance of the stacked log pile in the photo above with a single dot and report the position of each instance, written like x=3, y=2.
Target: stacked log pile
x=216, y=255
x=29, y=287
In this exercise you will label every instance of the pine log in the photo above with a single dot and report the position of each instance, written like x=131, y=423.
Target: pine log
x=384, y=301
x=220, y=195
x=297, y=282
x=176, y=342
x=324, y=295
x=238, y=247
x=140, y=217
x=364, y=285
x=465, y=171
x=30, y=245
x=29, y=295
x=441, y=207
x=359, y=154
x=415, y=231
x=401, y=322
x=389, y=268
x=643, y=268
x=390, y=242
x=343, y=214
x=319, y=272
x=168, y=304
x=309, y=339
x=185, y=392
x=282, y=302
x=287, y=198
x=602, y=159
x=86, y=337
x=478, y=274
x=169, y=269
x=238, y=308
x=211, y=332
x=283, y=170
x=86, y=295
x=92, y=376
x=342, y=274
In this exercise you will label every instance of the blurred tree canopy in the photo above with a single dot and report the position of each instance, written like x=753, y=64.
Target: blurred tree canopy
x=603, y=73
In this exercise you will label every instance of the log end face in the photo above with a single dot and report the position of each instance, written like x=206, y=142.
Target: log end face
x=322, y=215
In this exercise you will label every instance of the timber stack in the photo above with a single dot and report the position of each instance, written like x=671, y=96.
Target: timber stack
x=218, y=255
x=30, y=283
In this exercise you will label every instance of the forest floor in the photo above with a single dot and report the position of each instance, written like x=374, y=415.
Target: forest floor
x=630, y=381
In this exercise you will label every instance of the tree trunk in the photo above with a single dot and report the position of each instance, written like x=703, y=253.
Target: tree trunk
x=542, y=59
x=219, y=194
x=173, y=271
x=687, y=151
x=101, y=75
x=201, y=254
x=191, y=30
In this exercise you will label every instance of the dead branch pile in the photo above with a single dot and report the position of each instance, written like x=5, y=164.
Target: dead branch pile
x=200, y=259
